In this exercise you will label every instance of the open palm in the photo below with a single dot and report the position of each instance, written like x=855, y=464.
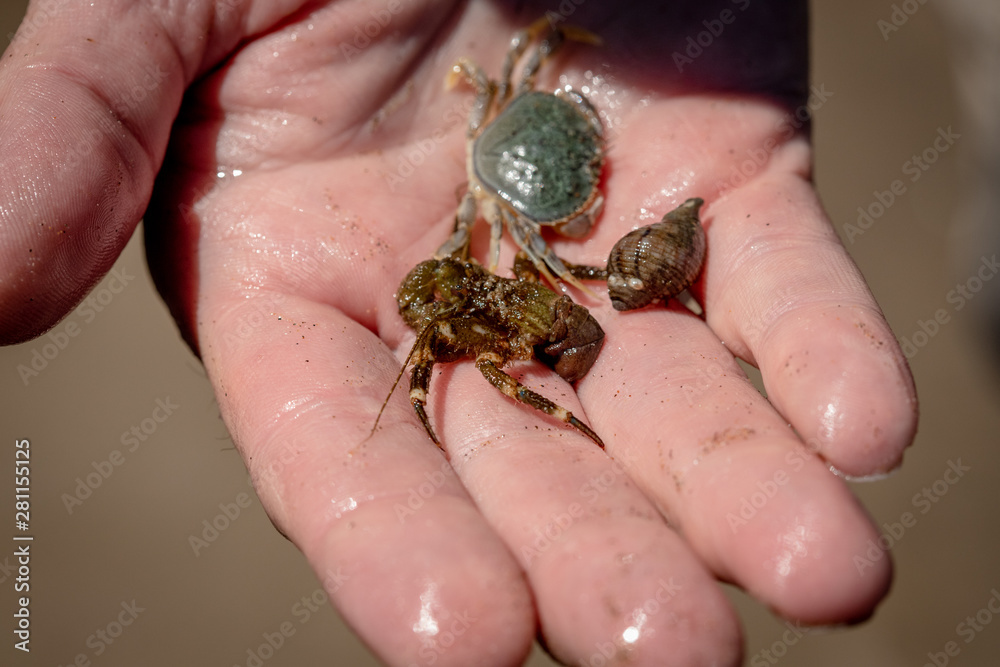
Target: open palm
x=315, y=160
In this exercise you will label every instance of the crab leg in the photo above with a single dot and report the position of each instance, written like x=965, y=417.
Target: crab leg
x=487, y=363
x=586, y=271
x=525, y=270
x=485, y=89
x=518, y=43
x=540, y=254
x=494, y=216
x=457, y=244
x=545, y=49
x=552, y=43
x=420, y=378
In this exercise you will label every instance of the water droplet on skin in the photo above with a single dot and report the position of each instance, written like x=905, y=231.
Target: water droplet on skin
x=344, y=506
x=647, y=213
x=633, y=633
x=427, y=623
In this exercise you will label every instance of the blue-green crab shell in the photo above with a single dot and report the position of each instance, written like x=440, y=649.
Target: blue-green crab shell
x=542, y=155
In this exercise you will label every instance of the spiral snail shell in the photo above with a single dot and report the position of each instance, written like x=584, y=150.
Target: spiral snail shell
x=657, y=261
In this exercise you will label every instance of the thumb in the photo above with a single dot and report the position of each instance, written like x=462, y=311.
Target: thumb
x=88, y=93
x=83, y=125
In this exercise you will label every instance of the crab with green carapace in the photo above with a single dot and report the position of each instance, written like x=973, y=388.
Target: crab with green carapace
x=533, y=158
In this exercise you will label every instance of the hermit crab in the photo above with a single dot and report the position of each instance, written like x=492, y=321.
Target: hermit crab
x=460, y=311
x=533, y=158
x=657, y=261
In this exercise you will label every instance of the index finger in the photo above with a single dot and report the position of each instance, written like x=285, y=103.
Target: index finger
x=382, y=518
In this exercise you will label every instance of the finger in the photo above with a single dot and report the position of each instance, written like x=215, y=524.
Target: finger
x=87, y=97
x=759, y=509
x=782, y=291
x=611, y=581
x=778, y=287
x=703, y=438
x=384, y=521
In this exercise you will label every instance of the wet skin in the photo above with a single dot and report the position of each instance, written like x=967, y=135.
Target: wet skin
x=531, y=525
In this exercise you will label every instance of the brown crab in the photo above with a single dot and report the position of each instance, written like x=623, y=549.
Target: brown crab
x=461, y=311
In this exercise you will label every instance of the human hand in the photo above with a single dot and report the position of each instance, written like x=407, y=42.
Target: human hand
x=282, y=277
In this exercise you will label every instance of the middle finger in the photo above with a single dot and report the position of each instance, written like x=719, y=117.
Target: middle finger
x=609, y=576
x=756, y=505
